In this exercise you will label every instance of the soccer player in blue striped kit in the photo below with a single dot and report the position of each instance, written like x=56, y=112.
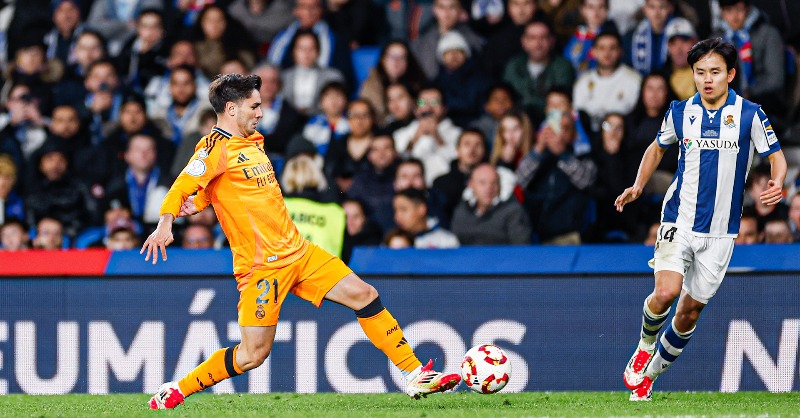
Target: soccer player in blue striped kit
x=716, y=131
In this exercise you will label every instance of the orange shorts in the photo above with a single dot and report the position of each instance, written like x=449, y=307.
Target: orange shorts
x=310, y=278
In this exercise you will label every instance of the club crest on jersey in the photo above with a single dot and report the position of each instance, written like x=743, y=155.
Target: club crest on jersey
x=687, y=143
x=202, y=153
x=729, y=121
x=196, y=168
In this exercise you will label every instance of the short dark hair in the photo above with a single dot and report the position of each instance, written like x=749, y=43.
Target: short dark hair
x=333, y=86
x=610, y=33
x=305, y=32
x=472, y=131
x=718, y=45
x=231, y=88
x=728, y=3
x=187, y=68
x=561, y=89
x=413, y=161
x=415, y=195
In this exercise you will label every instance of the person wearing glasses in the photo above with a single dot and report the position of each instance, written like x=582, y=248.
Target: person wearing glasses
x=431, y=137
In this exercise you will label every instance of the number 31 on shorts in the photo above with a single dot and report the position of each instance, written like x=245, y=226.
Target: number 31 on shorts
x=264, y=287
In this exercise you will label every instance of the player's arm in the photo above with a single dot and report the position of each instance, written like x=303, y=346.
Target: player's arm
x=650, y=160
x=778, y=168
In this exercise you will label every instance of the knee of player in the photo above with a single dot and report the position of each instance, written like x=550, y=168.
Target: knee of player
x=666, y=295
x=368, y=293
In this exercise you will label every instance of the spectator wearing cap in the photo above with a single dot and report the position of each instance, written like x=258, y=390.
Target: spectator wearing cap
x=53, y=192
x=22, y=129
x=116, y=19
x=760, y=70
x=280, y=120
x=535, y=71
x=11, y=203
x=681, y=36
x=143, y=56
x=483, y=218
x=447, y=14
x=67, y=25
x=611, y=86
x=461, y=81
x=645, y=47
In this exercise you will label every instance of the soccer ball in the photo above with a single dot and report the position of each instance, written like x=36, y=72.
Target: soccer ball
x=485, y=368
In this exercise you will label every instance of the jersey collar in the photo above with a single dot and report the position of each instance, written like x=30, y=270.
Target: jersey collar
x=731, y=99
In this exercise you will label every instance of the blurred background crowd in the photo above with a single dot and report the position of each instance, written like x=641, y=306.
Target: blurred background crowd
x=429, y=123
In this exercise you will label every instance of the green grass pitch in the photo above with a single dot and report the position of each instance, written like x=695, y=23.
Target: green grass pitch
x=458, y=404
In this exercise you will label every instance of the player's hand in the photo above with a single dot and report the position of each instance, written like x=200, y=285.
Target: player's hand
x=157, y=242
x=188, y=208
x=629, y=195
x=773, y=194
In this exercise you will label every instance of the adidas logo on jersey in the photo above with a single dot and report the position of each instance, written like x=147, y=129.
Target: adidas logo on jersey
x=242, y=158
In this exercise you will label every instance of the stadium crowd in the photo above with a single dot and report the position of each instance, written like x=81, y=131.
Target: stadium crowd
x=432, y=123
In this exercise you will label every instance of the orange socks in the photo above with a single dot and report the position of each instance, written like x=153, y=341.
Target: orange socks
x=220, y=366
x=385, y=333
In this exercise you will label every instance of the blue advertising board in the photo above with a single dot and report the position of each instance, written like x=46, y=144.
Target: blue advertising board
x=567, y=332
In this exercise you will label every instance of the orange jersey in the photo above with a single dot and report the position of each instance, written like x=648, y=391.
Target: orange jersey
x=235, y=175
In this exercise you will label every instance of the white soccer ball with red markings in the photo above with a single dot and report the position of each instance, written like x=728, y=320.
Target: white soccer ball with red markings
x=486, y=368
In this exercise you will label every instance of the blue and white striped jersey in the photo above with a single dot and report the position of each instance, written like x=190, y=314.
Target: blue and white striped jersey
x=716, y=151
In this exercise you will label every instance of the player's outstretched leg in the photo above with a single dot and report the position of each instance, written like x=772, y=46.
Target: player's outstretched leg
x=383, y=330
x=219, y=366
x=633, y=376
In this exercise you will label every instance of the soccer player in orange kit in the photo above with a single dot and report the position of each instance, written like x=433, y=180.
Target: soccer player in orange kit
x=230, y=170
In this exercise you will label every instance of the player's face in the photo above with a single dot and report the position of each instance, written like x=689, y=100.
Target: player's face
x=248, y=113
x=711, y=78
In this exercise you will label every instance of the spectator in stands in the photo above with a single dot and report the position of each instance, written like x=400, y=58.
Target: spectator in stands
x=504, y=43
x=143, y=56
x=652, y=234
x=395, y=64
x=748, y=227
x=559, y=101
x=447, y=13
x=594, y=20
x=142, y=186
x=681, y=36
x=263, y=19
x=794, y=216
x=103, y=98
x=374, y=186
x=431, y=137
x=330, y=125
x=400, y=107
x=122, y=239
x=65, y=126
x=32, y=68
x=611, y=86
x=157, y=93
x=777, y=231
x=512, y=141
x=470, y=151
x=499, y=100
x=21, y=126
x=208, y=118
x=555, y=183
x=220, y=38
x=462, y=83
x=11, y=203
x=89, y=47
x=332, y=50
x=99, y=163
x=116, y=19
x=54, y=193
x=397, y=239
x=183, y=112
x=303, y=178
x=13, y=235
x=303, y=82
x=645, y=47
x=360, y=230
x=67, y=25
x=483, y=218
x=564, y=16
x=533, y=73
x=49, y=234
x=761, y=70
x=611, y=226
x=642, y=126
x=347, y=156
x=281, y=121
x=358, y=22
x=197, y=237
x=410, y=173
x=411, y=216
x=234, y=66
x=757, y=182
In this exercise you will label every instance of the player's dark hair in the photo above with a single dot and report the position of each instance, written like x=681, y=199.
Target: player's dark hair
x=231, y=88
x=717, y=45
